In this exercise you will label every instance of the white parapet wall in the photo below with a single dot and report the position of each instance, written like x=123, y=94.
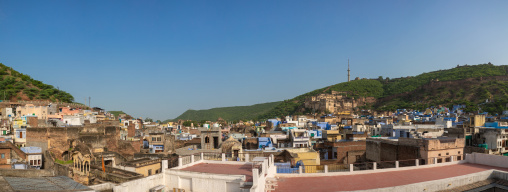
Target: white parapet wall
x=486, y=159
x=195, y=181
x=103, y=186
x=438, y=185
x=368, y=171
x=143, y=184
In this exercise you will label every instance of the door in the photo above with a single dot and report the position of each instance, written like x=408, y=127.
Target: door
x=215, y=142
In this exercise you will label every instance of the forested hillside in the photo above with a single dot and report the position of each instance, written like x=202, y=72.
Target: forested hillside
x=228, y=113
x=409, y=92
x=17, y=86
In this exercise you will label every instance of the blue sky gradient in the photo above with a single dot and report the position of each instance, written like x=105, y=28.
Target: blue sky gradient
x=159, y=58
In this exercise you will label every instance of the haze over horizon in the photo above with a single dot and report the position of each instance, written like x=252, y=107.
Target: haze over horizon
x=159, y=58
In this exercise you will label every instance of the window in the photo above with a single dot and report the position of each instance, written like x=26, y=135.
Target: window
x=447, y=153
x=149, y=172
x=153, y=138
x=3, y=156
x=458, y=152
x=159, y=139
x=439, y=154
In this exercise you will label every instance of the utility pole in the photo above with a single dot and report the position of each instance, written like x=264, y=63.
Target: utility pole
x=89, y=98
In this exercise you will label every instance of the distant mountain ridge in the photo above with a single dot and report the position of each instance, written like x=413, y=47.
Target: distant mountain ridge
x=16, y=86
x=228, y=113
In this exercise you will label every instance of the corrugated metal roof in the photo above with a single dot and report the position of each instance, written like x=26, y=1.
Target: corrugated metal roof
x=45, y=184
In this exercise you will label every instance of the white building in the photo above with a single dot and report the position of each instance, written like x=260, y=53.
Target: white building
x=33, y=156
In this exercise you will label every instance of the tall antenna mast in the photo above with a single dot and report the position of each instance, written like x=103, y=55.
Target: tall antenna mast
x=348, y=79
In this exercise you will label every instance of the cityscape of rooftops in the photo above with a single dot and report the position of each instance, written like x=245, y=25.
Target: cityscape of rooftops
x=253, y=96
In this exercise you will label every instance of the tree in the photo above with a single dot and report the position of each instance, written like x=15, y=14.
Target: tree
x=148, y=119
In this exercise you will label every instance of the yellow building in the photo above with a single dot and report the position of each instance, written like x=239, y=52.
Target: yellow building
x=306, y=155
x=17, y=123
x=332, y=135
x=477, y=121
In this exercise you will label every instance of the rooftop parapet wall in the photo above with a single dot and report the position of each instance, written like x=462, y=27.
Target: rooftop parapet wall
x=486, y=159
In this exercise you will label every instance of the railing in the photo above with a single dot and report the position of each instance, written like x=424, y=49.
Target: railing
x=313, y=169
x=254, y=155
x=197, y=157
x=363, y=166
x=286, y=169
x=186, y=160
x=212, y=156
x=338, y=168
x=386, y=164
x=407, y=163
x=230, y=157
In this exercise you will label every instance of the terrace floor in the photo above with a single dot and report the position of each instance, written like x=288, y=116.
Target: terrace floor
x=377, y=180
x=226, y=169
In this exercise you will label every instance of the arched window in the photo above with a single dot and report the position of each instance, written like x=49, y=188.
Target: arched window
x=207, y=139
x=86, y=167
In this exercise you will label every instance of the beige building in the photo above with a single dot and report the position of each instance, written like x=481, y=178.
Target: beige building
x=443, y=149
x=143, y=166
x=335, y=102
x=40, y=111
x=210, y=138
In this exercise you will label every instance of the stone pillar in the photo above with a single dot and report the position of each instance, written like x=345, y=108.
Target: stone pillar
x=223, y=157
x=180, y=161
x=192, y=158
x=351, y=168
x=255, y=176
x=417, y=162
x=164, y=165
x=451, y=158
x=435, y=160
x=326, y=168
x=300, y=171
x=264, y=167
x=396, y=164
x=247, y=157
x=202, y=157
x=374, y=166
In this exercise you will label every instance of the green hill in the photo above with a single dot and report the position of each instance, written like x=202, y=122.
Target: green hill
x=228, y=113
x=116, y=113
x=415, y=92
x=17, y=86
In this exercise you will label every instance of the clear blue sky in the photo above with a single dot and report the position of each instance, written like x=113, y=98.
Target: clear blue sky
x=159, y=58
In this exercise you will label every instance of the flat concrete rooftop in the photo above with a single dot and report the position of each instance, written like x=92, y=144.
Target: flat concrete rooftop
x=377, y=180
x=226, y=169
